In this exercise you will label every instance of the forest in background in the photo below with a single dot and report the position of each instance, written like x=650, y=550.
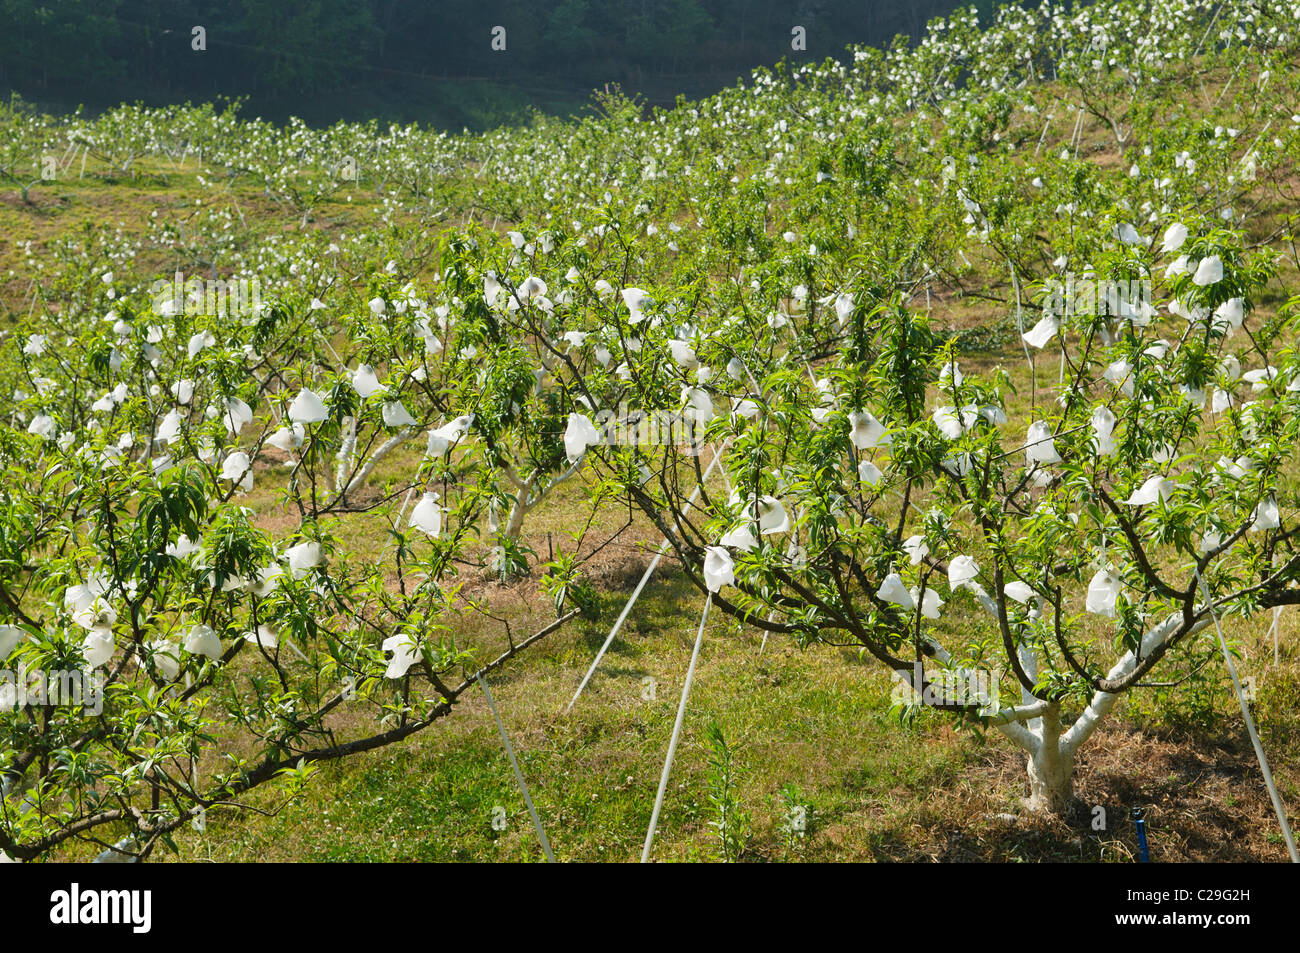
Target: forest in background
x=406, y=60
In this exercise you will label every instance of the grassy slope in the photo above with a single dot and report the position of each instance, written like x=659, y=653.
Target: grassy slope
x=816, y=719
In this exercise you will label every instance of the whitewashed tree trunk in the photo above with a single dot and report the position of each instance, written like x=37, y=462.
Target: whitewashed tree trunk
x=519, y=509
x=348, y=480
x=1051, y=769
x=529, y=493
x=1036, y=727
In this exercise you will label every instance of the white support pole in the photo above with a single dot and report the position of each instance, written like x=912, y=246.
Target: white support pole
x=117, y=853
x=618, y=624
x=770, y=616
x=1250, y=725
x=519, y=775
x=645, y=577
x=677, y=733
x=1273, y=630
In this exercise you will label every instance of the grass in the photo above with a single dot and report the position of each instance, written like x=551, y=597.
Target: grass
x=818, y=719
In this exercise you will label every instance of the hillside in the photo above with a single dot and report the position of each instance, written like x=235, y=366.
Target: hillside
x=771, y=262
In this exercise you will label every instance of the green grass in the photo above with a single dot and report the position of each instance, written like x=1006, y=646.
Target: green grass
x=817, y=719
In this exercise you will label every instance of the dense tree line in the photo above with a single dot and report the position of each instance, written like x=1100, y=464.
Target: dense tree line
x=383, y=56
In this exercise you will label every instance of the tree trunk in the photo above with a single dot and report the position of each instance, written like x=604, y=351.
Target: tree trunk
x=518, y=510
x=1051, y=751
x=1050, y=765
x=1051, y=781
